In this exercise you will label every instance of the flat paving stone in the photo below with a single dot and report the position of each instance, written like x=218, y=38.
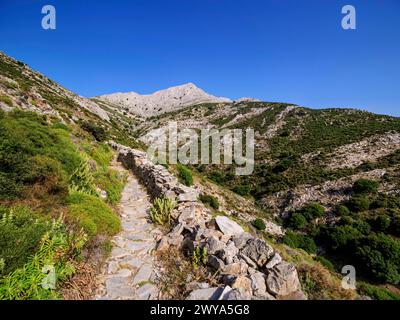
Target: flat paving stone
x=129, y=269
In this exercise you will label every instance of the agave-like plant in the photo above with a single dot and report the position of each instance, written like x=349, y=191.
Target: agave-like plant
x=160, y=212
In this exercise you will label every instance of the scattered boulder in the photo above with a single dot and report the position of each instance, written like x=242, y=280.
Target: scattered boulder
x=205, y=294
x=228, y=226
x=235, y=269
x=275, y=259
x=241, y=239
x=229, y=252
x=243, y=283
x=214, y=245
x=215, y=262
x=283, y=280
x=237, y=294
x=258, y=251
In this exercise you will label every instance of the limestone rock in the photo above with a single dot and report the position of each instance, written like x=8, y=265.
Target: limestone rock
x=283, y=280
x=243, y=283
x=228, y=226
x=205, y=294
x=215, y=262
x=229, y=252
x=214, y=245
x=241, y=239
x=236, y=268
x=237, y=294
x=275, y=259
x=258, y=251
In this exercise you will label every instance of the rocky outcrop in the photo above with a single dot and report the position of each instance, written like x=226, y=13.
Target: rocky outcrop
x=247, y=267
x=162, y=101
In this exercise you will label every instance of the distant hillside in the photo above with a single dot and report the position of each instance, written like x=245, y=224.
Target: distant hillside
x=162, y=101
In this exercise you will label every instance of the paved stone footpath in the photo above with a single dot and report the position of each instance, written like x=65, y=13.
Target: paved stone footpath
x=130, y=270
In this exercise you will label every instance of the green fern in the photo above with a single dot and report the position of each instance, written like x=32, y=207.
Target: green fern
x=82, y=179
x=57, y=249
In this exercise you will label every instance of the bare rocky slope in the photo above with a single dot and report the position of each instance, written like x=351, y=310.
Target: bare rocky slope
x=162, y=101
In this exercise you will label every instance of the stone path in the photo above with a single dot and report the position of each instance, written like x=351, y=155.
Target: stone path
x=130, y=270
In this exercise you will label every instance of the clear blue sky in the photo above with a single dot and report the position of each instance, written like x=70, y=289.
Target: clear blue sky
x=276, y=50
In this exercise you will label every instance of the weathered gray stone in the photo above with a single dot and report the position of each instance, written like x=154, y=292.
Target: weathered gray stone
x=228, y=226
x=213, y=245
x=283, y=280
x=258, y=283
x=147, y=291
x=243, y=283
x=144, y=274
x=215, y=262
x=258, y=251
x=247, y=260
x=205, y=294
x=236, y=268
x=275, y=259
x=242, y=239
x=225, y=293
x=237, y=294
x=177, y=230
x=191, y=286
x=229, y=252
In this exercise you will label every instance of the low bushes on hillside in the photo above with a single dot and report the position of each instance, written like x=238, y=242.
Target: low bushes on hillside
x=92, y=214
x=210, y=200
x=20, y=233
x=185, y=175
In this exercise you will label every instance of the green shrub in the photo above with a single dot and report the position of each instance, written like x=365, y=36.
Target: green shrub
x=359, y=203
x=295, y=240
x=363, y=226
x=297, y=221
x=242, y=190
x=7, y=100
x=342, y=210
x=210, y=200
x=217, y=176
x=312, y=211
x=341, y=237
x=112, y=182
x=326, y=263
x=381, y=223
x=395, y=226
x=259, y=224
x=161, y=210
x=379, y=257
x=29, y=152
x=20, y=233
x=365, y=186
x=185, y=175
x=92, y=214
x=99, y=133
x=101, y=153
x=376, y=293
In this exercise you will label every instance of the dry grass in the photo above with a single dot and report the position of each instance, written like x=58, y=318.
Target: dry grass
x=82, y=285
x=320, y=284
x=177, y=270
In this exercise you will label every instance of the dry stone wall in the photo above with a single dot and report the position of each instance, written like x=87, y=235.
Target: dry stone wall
x=247, y=267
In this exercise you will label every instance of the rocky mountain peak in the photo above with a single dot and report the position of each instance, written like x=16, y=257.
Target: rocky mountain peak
x=162, y=101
